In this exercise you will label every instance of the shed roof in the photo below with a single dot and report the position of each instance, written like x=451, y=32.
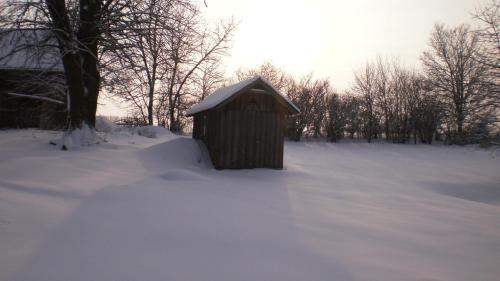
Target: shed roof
x=226, y=93
x=29, y=49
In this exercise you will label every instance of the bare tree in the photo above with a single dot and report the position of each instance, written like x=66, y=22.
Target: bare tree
x=135, y=73
x=337, y=117
x=310, y=96
x=278, y=77
x=171, y=58
x=78, y=41
x=353, y=105
x=402, y=97
x=365, y=86
x=427, y=113
x=191, y=44
x=208, y=78
x=488, y=17
x=455, y=74
x=383, y=93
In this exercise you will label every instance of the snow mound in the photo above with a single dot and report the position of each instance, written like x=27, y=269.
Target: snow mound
x=152, y=131
x=84, y=136
x=179, y=153
x=487, y=193
x=103, y=124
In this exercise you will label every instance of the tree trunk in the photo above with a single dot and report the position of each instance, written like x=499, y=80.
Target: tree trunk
x=150, y=106
x=79, y=57
x=77, y=110
x=88, y=36
x=173, y=121
x=71, y=62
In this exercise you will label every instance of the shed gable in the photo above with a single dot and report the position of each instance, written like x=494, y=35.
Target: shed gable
x=226, y=95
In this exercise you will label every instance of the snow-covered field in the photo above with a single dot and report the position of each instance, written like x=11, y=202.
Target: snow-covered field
x=145, y=209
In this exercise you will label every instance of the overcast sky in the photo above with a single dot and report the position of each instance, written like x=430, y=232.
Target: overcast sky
x=332, y=38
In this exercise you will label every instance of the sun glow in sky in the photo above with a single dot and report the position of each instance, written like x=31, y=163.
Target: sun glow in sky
x=332, y=39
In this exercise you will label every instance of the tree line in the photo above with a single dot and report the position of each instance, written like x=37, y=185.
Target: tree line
x=454, y=97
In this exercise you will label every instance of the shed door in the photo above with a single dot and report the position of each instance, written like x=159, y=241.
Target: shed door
x=259, y=138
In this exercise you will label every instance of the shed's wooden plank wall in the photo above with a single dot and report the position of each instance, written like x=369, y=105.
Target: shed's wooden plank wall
x=246, y=133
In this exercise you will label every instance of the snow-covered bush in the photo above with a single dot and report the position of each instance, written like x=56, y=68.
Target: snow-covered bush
x=103, y=124
x=83, y=136
x=151, y=131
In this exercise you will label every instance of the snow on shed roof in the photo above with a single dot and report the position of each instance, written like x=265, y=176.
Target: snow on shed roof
x=29, y=49
x=223, y=94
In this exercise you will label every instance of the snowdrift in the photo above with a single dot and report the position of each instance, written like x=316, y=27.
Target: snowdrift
x=179, y=153
x=152, y=131
x=148, y=209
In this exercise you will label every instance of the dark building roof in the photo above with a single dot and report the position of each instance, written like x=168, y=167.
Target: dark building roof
x=223, y=95
x=29, y=49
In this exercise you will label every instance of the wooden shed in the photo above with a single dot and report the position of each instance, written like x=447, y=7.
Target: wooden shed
x=243, y=125
x=31, y=80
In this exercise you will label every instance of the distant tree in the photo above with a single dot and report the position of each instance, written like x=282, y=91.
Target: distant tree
x=353, y=105
x=452, y=68
x=171, y=55
x=383, y=94
x=309, y=95
x=337, y=116
x=488, y=33
x=209, y=77
x=278, y=77
x=135, y=73
x=322, y=90
x=488, y=17
x=191, y=44
x=404, y=96
x=365, y=86
x=424, y=109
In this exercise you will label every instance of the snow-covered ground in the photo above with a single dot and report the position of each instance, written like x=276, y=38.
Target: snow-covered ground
x=145, y=209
